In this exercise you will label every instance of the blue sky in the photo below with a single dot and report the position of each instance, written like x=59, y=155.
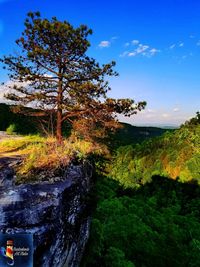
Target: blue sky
x=156, y=45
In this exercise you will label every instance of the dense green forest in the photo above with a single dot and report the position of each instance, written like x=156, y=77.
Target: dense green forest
x=145, y=214
x=156, y=225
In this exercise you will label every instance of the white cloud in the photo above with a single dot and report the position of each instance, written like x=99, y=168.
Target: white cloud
x=132, y=54
x=103, y=44
x=145, y=50
x=2, y=92
x=181, y=44
x=154, y=51
x=7, y=89
x=135, y=42
x=107, y=43
x=198, y=43
x=141, y=48
x=192, y=36
x=176, y=109
x=172, y=46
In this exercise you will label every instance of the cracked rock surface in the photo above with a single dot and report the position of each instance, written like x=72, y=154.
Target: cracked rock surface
x=56, y=213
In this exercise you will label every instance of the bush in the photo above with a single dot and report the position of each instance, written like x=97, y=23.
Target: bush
x=12, y=128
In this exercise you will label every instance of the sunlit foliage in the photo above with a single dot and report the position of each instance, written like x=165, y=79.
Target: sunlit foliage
x=174, y=154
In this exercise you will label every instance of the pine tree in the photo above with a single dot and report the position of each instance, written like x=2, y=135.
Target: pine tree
x=54, y=75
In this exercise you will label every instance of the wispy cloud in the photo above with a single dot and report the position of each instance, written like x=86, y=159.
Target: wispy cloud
x=172, y=46
x=107, y=43
x=104, y=44
x=144, y=50
x=114, y=38
x=135, y=42
x=181, y=48
x=125, y=53
x=132, y=54
x=136, y=48
x=139, y=49
x=154, y=51
x=180, y=44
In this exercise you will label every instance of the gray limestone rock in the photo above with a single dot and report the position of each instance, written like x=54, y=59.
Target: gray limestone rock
x=56, y=213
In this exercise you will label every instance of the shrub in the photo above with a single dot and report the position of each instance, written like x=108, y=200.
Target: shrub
x=12, y=128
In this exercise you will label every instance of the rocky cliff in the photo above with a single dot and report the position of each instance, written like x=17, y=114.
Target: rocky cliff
x=56, y=213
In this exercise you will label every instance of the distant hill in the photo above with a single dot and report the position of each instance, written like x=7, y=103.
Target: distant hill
x=129, y=134
x=24, y=124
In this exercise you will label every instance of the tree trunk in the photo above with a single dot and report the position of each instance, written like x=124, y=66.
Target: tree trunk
x=59, y=126
x=59, y=113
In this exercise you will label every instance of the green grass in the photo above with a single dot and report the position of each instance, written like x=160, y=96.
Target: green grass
x=20, y=144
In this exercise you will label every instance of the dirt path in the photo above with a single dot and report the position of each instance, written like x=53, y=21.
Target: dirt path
x=5, y=136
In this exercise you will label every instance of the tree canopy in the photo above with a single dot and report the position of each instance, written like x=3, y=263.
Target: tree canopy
x=53, y=74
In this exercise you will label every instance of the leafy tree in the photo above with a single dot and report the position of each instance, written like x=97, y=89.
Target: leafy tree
x=54, y=74
x=194, y=121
